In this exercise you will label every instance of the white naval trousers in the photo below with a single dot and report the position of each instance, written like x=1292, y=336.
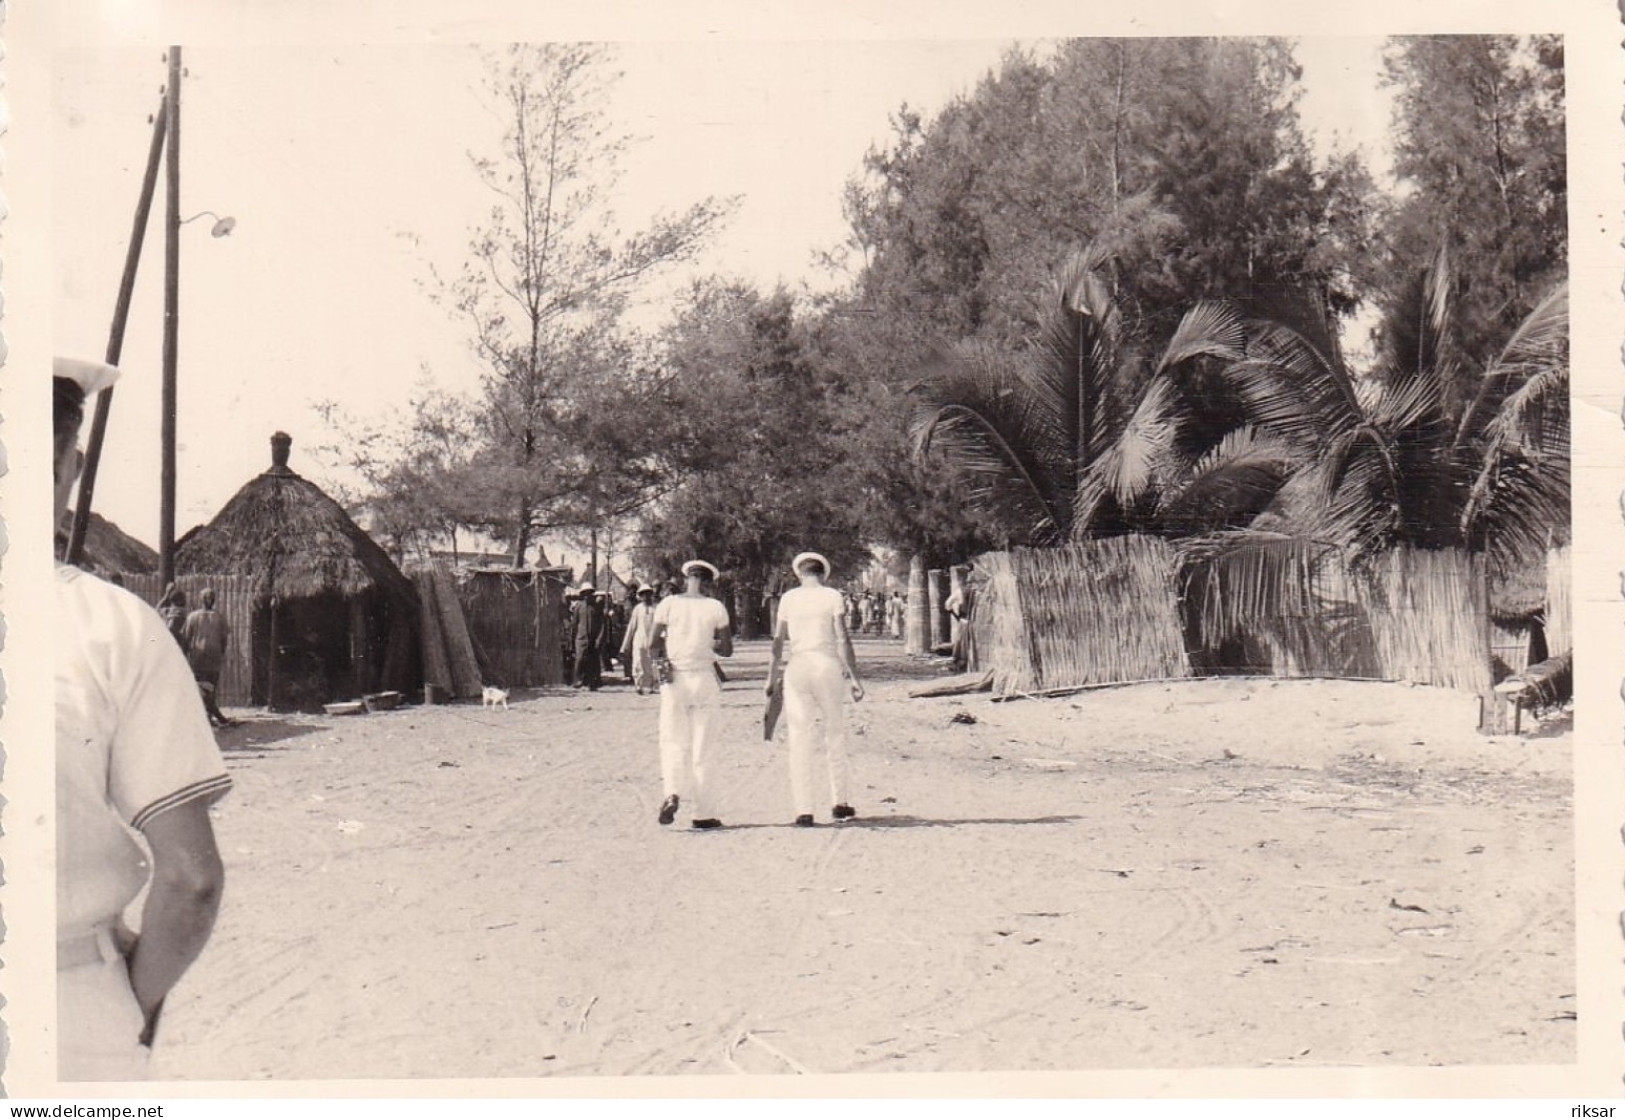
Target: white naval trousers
x=99, y=1022
x=689, y=705
x=814, y=707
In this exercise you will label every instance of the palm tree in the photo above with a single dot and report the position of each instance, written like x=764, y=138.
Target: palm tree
x=1081, y=435
x=1425, y=451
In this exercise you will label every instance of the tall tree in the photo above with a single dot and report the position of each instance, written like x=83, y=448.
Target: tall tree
x=754, y=436
x=546, y=280
x=1181, y=159
x=1479, y=140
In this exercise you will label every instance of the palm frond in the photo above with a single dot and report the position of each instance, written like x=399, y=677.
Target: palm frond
x=974, y=407
x=1228, y=486
x=1416, y=326
x=1209, y=329
x=1079, y=351
x=1235, y=579
x=1538, y=346
x=1129, y=469
x=1291, y=391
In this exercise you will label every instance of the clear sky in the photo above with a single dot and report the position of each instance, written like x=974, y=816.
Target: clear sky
x=347, y=171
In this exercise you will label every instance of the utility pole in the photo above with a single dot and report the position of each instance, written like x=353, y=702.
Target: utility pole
x=172, y=268
x=115, y=338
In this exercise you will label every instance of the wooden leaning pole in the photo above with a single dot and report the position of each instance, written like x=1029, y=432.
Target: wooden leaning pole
x=115, y=338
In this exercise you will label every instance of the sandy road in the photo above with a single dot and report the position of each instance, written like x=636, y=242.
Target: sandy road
x=1229, y=873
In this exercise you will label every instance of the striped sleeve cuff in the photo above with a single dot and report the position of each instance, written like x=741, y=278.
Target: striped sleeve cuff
x=210, y=789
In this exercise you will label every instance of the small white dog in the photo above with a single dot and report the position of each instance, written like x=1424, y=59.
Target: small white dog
x=493, y=697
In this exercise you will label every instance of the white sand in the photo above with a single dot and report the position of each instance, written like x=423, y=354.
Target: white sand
x=1219, y=873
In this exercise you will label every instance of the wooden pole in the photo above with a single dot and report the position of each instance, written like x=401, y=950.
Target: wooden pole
x=115, y=337
x=172, y=268
x=917, y=620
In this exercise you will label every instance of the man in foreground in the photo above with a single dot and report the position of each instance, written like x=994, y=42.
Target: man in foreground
x=691, y=630
x=136, y=766
x=812, y=620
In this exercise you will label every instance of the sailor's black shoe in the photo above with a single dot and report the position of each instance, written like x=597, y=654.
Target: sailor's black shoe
x=668, y=809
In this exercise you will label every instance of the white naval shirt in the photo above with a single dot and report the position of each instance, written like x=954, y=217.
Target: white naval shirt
x=691, y=625
x=132, y=742
x=812, y=617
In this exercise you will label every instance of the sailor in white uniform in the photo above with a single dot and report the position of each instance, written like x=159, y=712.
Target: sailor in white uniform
x=691, y=630
x=812, y=622
x=137, y=768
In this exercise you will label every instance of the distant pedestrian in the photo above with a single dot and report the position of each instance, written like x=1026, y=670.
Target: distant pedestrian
x=640, y=631
x=813, y=625
x=691, y=630
x=204, y=636
x=959, y=605
x=172, y=609
x=895, y=611
x=609, y=641
x=587, y=635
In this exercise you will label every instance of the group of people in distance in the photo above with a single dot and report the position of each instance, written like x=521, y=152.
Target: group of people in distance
x=600, y=633
x=812, y=667
x=870, y=612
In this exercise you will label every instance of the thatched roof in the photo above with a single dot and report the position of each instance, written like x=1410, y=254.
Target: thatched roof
x=109, y=549
x=291, y=538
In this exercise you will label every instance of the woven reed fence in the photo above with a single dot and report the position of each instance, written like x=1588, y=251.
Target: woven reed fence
x=234, y=599
x=1089, y=613
x=1001, y=635
x=1277, y=606
x=1429, y=614
x=1111, y=611
x=1560, y=600
x=515, y=621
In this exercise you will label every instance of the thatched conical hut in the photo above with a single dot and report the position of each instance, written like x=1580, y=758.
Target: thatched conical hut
x=334, y=618
x=110, y=550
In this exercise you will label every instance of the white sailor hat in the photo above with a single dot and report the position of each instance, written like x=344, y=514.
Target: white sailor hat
x=585, y=587
x=91, y=377
x=642, y=587
x=795, y=565
x=696, y=567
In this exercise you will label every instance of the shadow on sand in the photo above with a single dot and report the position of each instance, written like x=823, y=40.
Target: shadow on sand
x=258, y=733
x=904, y=821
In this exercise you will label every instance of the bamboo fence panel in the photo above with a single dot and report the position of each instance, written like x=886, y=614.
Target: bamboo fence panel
x=1278, y=606
x=550, y=616
x=1001, y=639
x=234, y=598
x=1429, y=613
x=1560, y=600
x=513, y=628
x=1101, y=611
x=466, y=677
x=436, y=662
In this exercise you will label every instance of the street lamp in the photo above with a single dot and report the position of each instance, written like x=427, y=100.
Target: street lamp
x=222, y=226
